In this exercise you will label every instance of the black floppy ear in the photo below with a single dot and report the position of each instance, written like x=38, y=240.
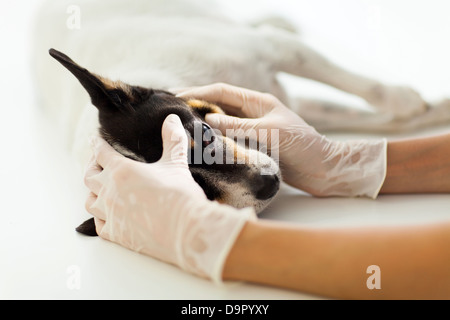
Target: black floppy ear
x=87, y=228
x=105, y=94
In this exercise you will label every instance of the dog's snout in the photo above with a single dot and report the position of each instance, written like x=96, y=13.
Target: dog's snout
x=268, y=187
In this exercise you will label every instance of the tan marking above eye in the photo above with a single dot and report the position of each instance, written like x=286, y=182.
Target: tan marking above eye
x=205, y=106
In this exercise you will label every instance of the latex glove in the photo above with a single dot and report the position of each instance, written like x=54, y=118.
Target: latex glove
x=158, y=209
x=308, y=160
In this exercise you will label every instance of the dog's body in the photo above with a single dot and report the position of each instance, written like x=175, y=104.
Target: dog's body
x=171, y=44
x=186, y=43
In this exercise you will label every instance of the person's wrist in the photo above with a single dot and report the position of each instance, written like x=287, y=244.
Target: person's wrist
x=211, y=229
x=362, y=168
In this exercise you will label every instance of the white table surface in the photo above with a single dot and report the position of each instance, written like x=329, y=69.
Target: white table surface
x=42, y=195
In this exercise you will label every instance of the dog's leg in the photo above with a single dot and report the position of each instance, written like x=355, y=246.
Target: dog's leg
x=294, y=57
x=330, y=116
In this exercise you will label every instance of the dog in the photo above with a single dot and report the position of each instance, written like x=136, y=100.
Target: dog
x=188, y=43
x=151, y=44
x=131, y=119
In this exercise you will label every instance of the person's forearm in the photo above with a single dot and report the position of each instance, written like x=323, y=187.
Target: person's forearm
x=418, y=166
x=413, y=261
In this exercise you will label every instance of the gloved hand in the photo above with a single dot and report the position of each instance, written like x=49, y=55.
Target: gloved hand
x=309, y=161
x=158, y=209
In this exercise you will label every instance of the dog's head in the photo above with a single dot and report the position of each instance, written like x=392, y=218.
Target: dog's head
x=131, y=119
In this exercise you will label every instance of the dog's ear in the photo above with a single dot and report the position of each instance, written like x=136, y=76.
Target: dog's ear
x=87, y=228
x=106, y=95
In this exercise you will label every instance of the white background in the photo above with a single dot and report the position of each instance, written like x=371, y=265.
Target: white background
x=396, y=41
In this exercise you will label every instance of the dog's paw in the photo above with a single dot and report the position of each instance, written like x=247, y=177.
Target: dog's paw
x=438, y=112
x=397, y=101
x=442, y=105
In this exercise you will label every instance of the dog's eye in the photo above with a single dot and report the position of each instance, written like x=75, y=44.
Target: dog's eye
x=208, y=135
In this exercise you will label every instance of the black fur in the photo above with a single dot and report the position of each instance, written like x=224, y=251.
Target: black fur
x=132, y=116
x=87, y=228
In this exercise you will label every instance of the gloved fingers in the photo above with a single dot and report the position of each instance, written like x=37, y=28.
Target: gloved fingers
x=99, y=225
x=93, y=206
x=104, y=153
x=90, y=199
x=235, y=100
x=224, y=122
x=175, y=141
x=90, y=176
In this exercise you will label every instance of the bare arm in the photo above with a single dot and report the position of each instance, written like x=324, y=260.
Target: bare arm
x=418, y=166
x=414, y=261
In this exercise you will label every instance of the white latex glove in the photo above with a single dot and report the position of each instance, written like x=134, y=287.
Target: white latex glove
x=309, y=161
x=158, y=209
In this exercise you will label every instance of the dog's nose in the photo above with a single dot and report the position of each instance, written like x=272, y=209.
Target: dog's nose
x=268, y=187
